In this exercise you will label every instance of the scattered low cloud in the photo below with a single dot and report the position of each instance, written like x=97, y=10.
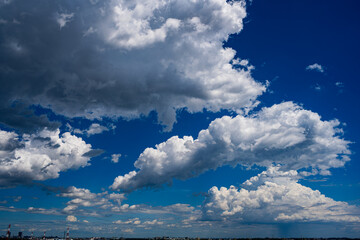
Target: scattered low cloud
x=71, y=218
x=17, y=199
x=315, y=67
x=115, y=158
x=96, y=128
x=339, y=84
x=284, y=134
x=275, y=196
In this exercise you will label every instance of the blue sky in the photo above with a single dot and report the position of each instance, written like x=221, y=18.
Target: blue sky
x=203, y=118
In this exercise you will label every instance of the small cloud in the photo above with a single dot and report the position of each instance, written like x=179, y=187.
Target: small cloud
x=91, y=30
x=17, y=199
x=71, y=218
x=85, y=221
x=128, y=230
x=63, y=18
x=93, y=153
x=317, y=87
x=96, y=128
x=115, y=158
x=339, y=84
x=153, y=222
x=315, y=67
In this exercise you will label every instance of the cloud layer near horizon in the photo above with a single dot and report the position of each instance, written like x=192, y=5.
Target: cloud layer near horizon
x=284, y=134
x=122, y=58
x=275, y=196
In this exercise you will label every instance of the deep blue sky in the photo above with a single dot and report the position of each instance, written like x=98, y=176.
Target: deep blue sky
x=62, y=68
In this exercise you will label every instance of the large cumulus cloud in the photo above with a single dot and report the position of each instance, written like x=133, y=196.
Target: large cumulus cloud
x=122, y=58
x=39, y=156
x=275, y=196
x=284, y=134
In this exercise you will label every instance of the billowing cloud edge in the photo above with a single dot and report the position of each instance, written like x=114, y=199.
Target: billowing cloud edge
x=283, y=134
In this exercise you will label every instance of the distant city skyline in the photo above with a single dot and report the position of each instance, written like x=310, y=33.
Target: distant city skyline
x=180, y=118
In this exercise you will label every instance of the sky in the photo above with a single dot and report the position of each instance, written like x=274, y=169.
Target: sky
x=198, y=118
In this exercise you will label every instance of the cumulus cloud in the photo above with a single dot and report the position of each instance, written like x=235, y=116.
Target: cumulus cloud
x=275, y=196
x=284, y=134
x=83, y=201
x=71, y=218
x=137, y=57
x=39, y=156
x=134, y=221
x=315, y=67
x=82, y=197
x=115, y=158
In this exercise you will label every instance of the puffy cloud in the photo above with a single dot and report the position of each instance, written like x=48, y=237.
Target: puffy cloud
x=134, y=221
x=39, y=156
x=275, y=196
x=96, y=128
x=124, y=58
x=179, y=208
x=315, y=67
x=115, y=158
x=71, y=218
x=284, y=134
x=73, y=192
x=84, y=202
x=82, y=197
x=153, y=222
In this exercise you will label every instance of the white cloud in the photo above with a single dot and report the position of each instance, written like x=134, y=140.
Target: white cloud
x=81, y=197
x=83, y=201
x=73, y=192
x=154, y=222
x=128, y=230
x=275, y=196
x=134, y=221
x=96, y=128
x=39, y=156
x=339, y=84
x=63, y=18
x=283, y=134
x=115, y=158
x=315, y=67
x=71, y=218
